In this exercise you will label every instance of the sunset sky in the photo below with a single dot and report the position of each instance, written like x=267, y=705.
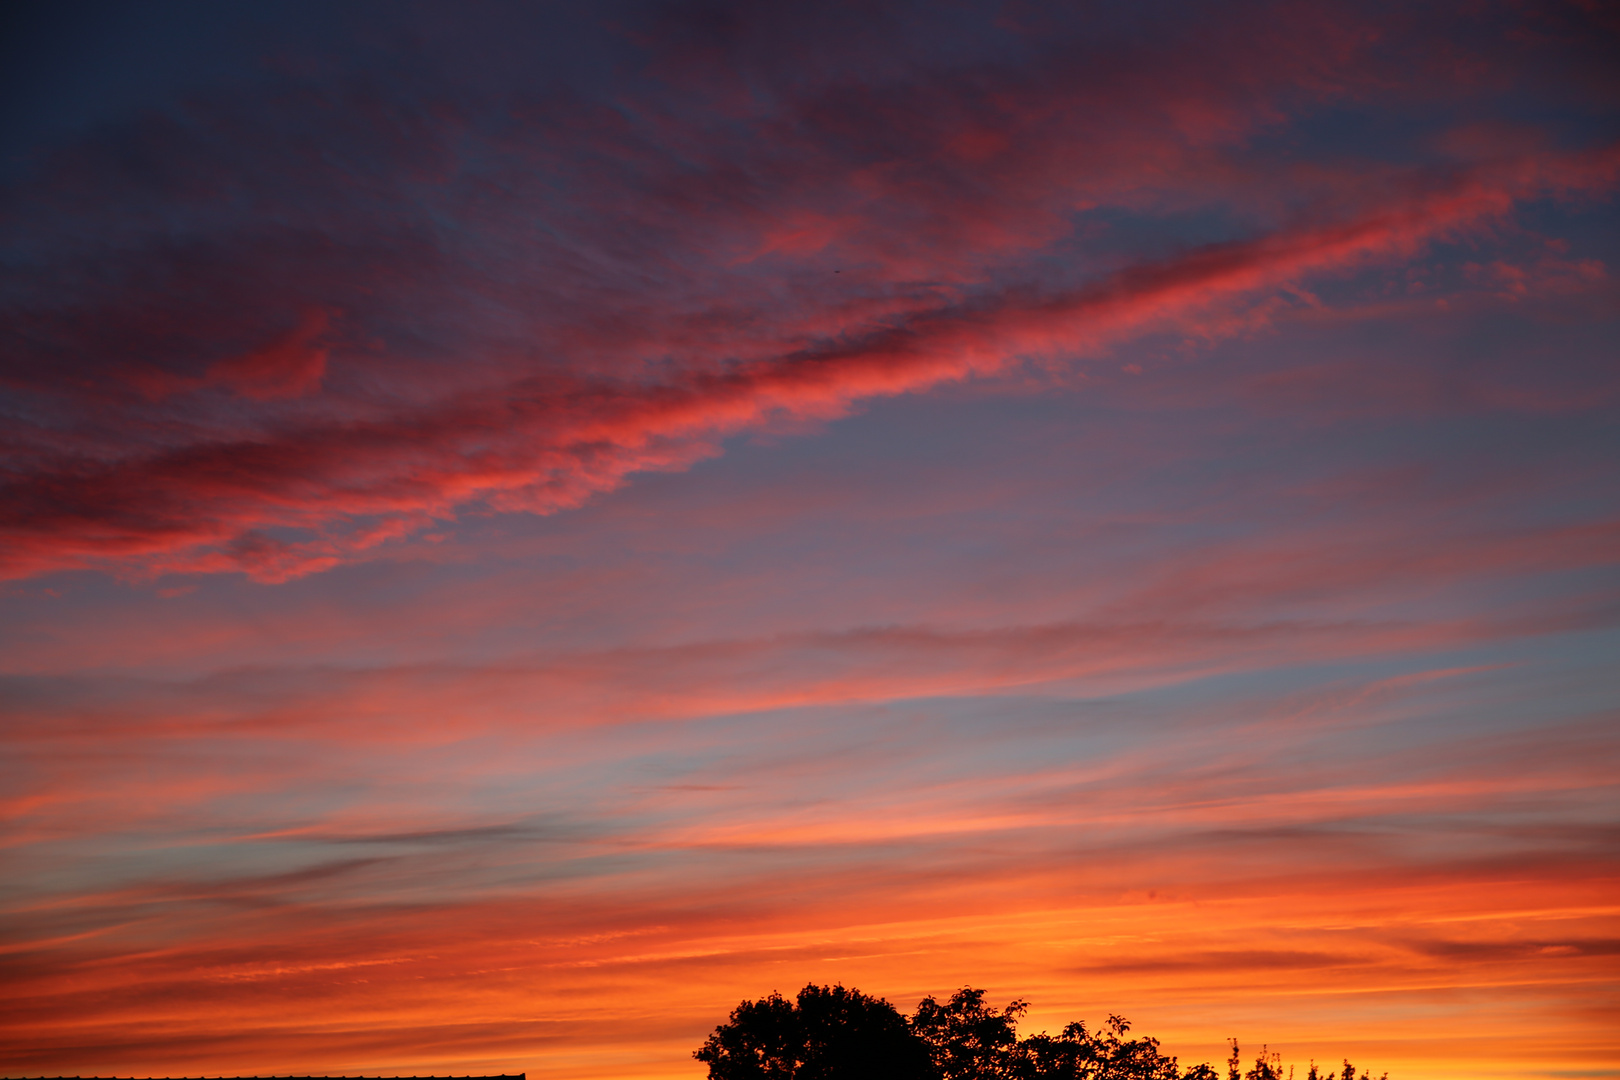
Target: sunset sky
x=524, y=525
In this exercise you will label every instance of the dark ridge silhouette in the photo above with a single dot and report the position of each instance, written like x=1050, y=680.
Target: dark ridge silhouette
x=830, y=1033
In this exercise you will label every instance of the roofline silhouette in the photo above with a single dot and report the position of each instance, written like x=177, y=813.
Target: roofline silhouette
x=278, y=1076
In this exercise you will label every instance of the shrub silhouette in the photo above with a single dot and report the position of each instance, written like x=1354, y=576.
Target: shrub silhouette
x=830, y=1033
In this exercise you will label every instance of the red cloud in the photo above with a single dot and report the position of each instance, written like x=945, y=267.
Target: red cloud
x=549, y=442
x=289, y=367
x=517, y=313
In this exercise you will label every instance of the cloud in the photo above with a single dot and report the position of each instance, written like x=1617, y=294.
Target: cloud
x=289, y=367
x=1161, y=860
x=385, y=309
x=548, y=443
x=431, y=704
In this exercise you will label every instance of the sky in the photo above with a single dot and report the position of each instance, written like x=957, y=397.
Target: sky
x=525, y=525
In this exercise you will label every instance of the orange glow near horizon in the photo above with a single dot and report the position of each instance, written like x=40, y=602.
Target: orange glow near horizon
x=1435, y=978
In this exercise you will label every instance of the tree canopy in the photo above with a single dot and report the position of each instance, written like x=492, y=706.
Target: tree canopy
x=830, y=1033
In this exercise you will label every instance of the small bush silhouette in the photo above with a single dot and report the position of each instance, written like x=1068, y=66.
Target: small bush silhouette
x=830, y=1033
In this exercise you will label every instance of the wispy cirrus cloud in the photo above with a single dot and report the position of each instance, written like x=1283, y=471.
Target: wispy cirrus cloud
x=1150, y=874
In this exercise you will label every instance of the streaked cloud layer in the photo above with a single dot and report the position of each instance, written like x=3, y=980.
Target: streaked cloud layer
x=522, y=528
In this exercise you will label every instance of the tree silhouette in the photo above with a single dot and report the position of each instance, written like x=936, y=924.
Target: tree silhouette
x=831, y=1033
x=1268, y=1066
x=966, y=1039
x=1107, y=1055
